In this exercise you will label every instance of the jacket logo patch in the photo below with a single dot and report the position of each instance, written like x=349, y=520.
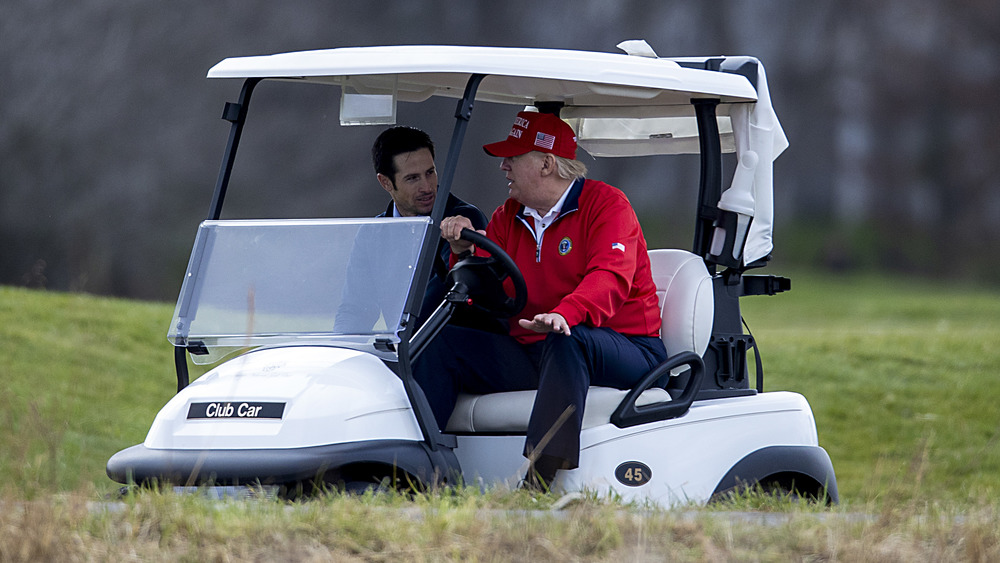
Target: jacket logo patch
x=565, y=245
x=618, y=246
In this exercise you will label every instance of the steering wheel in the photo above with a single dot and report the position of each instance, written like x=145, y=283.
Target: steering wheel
x=483, y=278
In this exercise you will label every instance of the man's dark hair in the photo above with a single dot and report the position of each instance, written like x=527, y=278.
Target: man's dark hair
x=397, y=140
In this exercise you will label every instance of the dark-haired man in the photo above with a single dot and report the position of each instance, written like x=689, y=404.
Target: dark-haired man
x=403, y=158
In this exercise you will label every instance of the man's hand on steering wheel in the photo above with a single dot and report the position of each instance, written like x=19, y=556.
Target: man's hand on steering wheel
x=451, y=231
x=483, y=277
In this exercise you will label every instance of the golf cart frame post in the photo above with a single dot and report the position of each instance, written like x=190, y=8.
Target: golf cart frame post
x=235, y=113
x=726, y=357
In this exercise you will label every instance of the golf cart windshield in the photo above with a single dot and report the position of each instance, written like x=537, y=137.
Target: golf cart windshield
x=266, y=282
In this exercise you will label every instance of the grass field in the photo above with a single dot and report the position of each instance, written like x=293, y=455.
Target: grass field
x=900, y=375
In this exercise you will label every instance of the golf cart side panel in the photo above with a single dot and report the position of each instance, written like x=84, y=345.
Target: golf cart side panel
x=325, y=391
x=691, y=454
x=685, y=457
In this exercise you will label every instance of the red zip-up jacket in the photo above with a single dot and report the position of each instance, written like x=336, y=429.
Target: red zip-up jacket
x=591, y=267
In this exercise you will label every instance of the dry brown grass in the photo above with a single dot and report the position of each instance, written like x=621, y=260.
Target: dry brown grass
x=469, y=526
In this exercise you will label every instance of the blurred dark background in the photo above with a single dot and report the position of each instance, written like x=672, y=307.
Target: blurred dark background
x=110, y=137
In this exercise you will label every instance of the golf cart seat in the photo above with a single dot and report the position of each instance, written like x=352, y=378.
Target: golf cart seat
x=687, y=311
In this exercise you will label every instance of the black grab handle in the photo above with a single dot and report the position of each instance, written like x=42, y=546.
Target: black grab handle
x=628, y=414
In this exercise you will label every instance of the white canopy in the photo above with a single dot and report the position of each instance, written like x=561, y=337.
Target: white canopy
x=620, y=105
x=518, y=76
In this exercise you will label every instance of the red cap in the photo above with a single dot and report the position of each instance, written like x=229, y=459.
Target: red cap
x=534, y=131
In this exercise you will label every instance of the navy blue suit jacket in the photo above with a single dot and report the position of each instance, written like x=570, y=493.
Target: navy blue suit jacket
x=436, y=284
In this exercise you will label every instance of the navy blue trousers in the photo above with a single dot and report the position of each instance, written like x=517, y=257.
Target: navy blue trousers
x=562, y=368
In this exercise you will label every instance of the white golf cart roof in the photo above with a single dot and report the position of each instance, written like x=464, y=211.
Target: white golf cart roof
x=520, y=76
x=619, y=104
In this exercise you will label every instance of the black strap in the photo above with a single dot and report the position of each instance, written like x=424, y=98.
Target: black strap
x=756, y=355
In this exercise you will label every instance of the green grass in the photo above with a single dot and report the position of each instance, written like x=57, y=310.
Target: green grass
x=83, y=375
x=900, y=376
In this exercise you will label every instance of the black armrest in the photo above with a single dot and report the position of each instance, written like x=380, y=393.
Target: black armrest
x=628, y=414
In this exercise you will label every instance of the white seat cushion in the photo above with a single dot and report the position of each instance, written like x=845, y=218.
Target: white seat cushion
x=509, y=412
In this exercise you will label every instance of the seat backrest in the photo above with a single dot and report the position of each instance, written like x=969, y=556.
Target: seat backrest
x=687, y=300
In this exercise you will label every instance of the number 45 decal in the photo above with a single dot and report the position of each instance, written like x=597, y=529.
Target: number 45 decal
x=633, y=473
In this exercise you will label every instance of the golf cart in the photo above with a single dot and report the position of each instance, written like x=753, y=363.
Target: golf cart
x=320, y=313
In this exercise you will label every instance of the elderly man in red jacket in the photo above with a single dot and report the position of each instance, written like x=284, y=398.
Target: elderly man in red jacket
x=592, y=316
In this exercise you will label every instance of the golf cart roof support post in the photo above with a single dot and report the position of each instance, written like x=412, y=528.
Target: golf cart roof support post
x=237, y=115
x=447, y=174
x=421, y=408
x=710, y=184
x=555, y=108
x=463, y=113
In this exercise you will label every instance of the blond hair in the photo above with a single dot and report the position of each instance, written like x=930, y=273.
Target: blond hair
x=570, y=169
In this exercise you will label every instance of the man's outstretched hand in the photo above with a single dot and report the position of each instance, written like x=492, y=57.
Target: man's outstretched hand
x=546, y=322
